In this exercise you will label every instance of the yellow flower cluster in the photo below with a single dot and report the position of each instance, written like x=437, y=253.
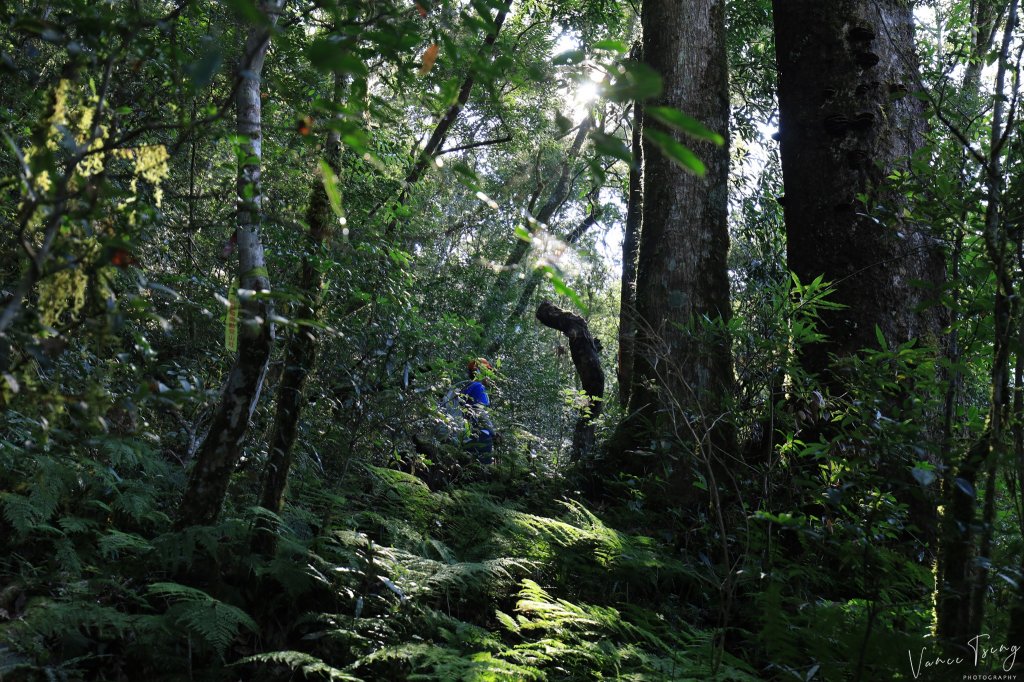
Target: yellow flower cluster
x=43, y=182
x=93, y=161
x=62, y=292
x=151, y=163
x=59, y=116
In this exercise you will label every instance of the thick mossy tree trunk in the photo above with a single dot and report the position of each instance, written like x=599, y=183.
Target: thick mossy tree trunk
x=301, y=348
x=682, y=370
x=846, y=68
x=215, y=462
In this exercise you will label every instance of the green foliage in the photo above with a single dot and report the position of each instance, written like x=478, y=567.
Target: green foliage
x=118, y=184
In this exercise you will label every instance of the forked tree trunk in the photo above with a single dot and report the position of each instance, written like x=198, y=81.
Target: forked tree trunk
x=219, y=453
x=962, y=592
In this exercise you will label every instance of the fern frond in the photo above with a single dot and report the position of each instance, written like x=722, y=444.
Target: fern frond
x=300, y=662
x=215, y=622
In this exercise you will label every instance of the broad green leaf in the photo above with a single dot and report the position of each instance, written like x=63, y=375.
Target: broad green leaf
x=609, y=145
x=676, y=151
x=611, y=45
x=674, y=118
x=637, y=81
x=328, y=54
x=569, y=57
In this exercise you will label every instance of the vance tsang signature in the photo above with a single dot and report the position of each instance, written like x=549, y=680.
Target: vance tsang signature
x=984, y=654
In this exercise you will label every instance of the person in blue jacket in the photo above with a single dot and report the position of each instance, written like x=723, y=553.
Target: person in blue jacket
x=474, y=401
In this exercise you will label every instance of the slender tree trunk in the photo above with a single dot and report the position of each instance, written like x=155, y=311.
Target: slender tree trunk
x=682, y=369
x=441, y=130
x=956, y=616
x=559, y=193
x=630, y=249
x=215, y=462
x=301, y=349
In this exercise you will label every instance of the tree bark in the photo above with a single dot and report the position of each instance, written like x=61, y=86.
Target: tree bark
x=586, y=357
x=682, y=368
x=215, y=462
x=630, y=248
x=301, y=349
x=846, y=123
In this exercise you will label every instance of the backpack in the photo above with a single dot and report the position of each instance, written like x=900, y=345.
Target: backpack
x=452, y=425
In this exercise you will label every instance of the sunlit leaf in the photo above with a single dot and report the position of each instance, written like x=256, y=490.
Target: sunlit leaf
x=568, y=57
x=676, y=151
x=611, y=45
x=674, y=118
x=637, y=81
x=331, y=187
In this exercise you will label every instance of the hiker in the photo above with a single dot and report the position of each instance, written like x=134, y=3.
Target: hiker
x=474, y=402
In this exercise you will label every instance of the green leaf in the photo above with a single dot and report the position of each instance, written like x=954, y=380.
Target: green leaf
x=676, y=151
x=569, y=57
x=609, y=145
x=674, y=118
x=881, y=338
x=331, y=54
x=636, y=82
x=611, y=45
x=562, y=288
x=201, y=72
x=523, y=233
x=331, y=187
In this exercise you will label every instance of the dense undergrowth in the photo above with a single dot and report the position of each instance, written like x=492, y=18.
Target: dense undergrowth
x=502, y=577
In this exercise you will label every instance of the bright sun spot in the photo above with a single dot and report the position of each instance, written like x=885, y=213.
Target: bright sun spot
x=586, y=93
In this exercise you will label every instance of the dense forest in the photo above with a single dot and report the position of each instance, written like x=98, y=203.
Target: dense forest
x=480, y=340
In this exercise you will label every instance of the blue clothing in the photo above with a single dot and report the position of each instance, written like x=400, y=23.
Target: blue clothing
x=474, y=399
x=476, y=394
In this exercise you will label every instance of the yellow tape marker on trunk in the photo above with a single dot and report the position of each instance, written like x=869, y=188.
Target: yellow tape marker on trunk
x=231, y=323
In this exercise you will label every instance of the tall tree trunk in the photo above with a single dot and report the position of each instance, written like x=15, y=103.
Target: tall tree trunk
x=215, y=462
x=846, y=122
x=630, y=249
x=301, y=348
x=682, y=368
